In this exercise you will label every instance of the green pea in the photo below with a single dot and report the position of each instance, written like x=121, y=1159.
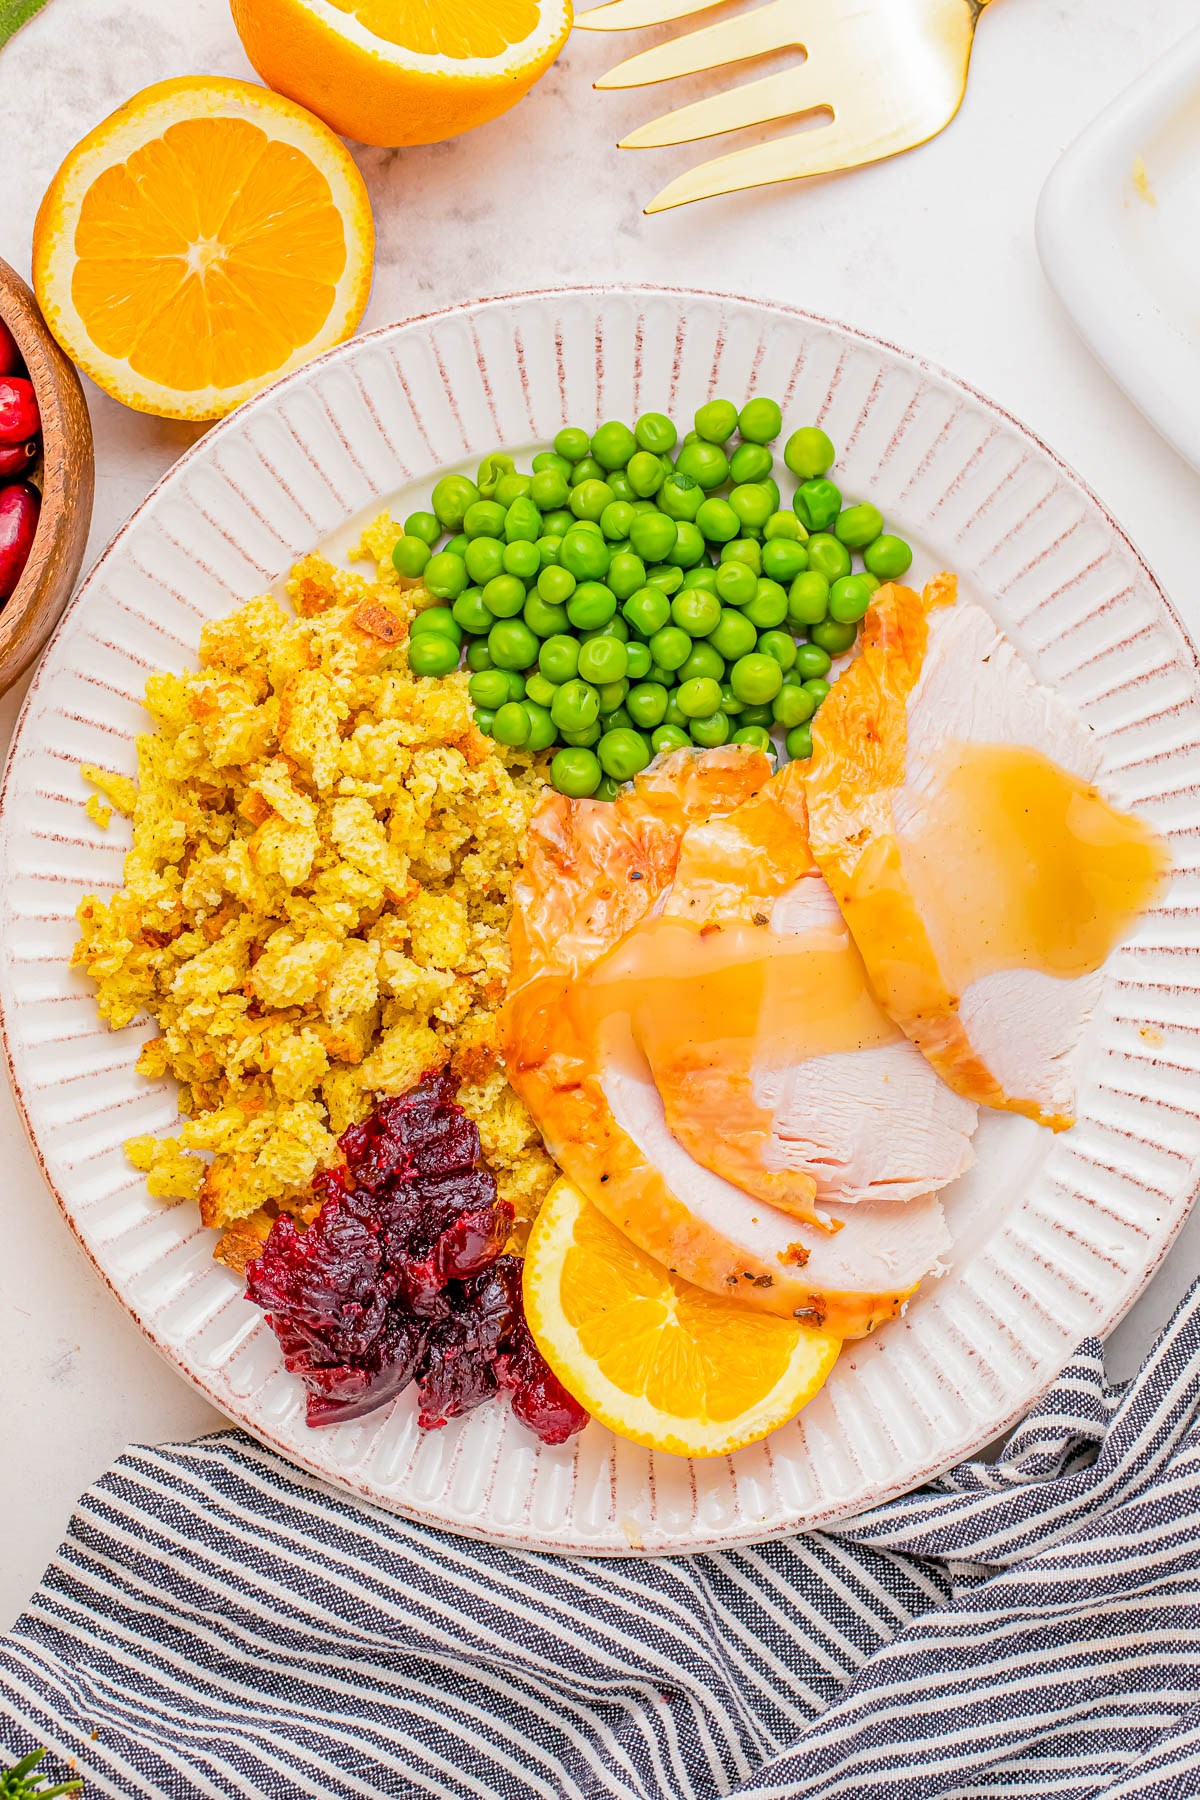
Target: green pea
x=695, y=612
x=750, y=462
x=521, y=558
x=784, y=525
x=817, y=503
x=542, y=729
x=489, y=689
x=706, y=463
x=799, y=743
x=783, y=560
x=549, y=489
x=668, y=578
x=680, y=497
x=602, y=660
x=792, y=706
x=652, y=535
x=646, y=474
x=655, y=432
x=511, y=724
x=667, y=738
x=704, y=663
x=586, y=470
x=522, y=522
x=575, y=773
x=760, y=421
x=808, y=452
x=646, y=705
x=437, y=618
x=623, y=753
x=549, y=548
x=859, y=525
x=549, y=459
x=689, y=545
x=557, y=523
x=409, y=556
x=614, y=628
x=671, y=647
x=870, y=581
x=543, y=619
x=768, y=607
x=716, y=421
x=729, y=701
x=780, y=646
x=484, y=721
x=757, y=737
x=516, y=684
x=572, y=444
x=833, y=637
x=718, y=521
x=589, y=499
x=711, y=731
x=647, y=610
x=478, y=656
x=504, y=595
x=424, y=525
x=538, y=689
x=756, y=679
x=753, y=503
x=451, y=497
x=591, y=605
x=445, y=575
x=828, y=557
x=613, y=445
x=744, y=550
x=734, y=636
x=512, y=644
x=484, y=558
x=432, y=653
x=484, y=520
x=818, y=687
x=456, y=546
x=575, y=706
x=626, y=574
x=638, y=661
x=888, y=558
x=512, y=487
x=616, y=520
x=616, y=719
x=674, y=716
x=473, y=614
x=756, y=715
x=699, y=697
x=811, y=661
x=555, y=585
x=849, y=598
x=701, y=576
x=585, y=555
x=736, y=584
x=591, y=734
x=808, y=600
x=770, y=486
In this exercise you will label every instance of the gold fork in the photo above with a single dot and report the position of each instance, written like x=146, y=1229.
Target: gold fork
x=891, y=72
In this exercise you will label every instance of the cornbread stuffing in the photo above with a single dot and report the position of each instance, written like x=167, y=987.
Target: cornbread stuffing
x=316, y=900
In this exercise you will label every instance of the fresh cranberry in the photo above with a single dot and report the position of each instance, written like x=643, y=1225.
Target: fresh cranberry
x=19, y=508
x=400, y=1277
x=10, y=356
x=20, y=419
x=16, y=458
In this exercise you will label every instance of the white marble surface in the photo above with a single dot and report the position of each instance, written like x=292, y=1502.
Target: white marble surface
x=933, y=251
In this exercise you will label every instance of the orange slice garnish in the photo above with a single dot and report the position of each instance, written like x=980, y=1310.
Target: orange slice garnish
x=205, y=239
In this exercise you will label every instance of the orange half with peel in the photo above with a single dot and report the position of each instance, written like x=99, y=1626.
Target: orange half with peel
x=206, y=238
x=403, y=71
x=652, y=1357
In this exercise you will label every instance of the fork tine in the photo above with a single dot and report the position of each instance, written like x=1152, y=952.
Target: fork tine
x=756, y=102
x=823, y=151
x=632, y=15
x=733, y=40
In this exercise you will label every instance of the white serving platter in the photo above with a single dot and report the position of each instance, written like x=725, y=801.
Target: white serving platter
x=1118, y=230
x=1053, y=1237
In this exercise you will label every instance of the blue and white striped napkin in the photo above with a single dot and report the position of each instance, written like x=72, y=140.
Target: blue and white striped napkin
x=217, y=1624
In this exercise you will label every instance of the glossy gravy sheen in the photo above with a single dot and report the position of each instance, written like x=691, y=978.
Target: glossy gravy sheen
x=1015, y=863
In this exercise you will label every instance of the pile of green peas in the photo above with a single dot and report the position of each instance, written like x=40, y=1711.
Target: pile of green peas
x=634, y=594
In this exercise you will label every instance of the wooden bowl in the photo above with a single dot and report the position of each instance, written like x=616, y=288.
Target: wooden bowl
x=68, y=473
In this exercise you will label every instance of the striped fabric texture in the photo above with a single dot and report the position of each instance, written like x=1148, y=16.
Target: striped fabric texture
x=217, y=1624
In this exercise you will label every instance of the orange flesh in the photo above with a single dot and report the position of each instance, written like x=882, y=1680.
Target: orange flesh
x=208, y=256
x=575, y=902
x=1044, y=873
x=462, y=30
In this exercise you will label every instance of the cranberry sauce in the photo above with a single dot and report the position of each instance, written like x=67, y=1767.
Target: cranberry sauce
x=400, y=1278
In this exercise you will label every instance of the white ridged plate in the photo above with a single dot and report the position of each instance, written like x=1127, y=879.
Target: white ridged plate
x=1054, y=1237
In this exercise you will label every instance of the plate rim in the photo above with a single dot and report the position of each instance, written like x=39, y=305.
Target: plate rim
x=522, y=1538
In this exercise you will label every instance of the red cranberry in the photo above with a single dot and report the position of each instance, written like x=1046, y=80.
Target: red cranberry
x=19, y=416
x=16, y=458
x=10, y=356
x=19, y=508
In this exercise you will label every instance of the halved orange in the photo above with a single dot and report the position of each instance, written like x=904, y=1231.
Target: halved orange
x=652, y=1357
x=403, y=71
x=206, y=238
